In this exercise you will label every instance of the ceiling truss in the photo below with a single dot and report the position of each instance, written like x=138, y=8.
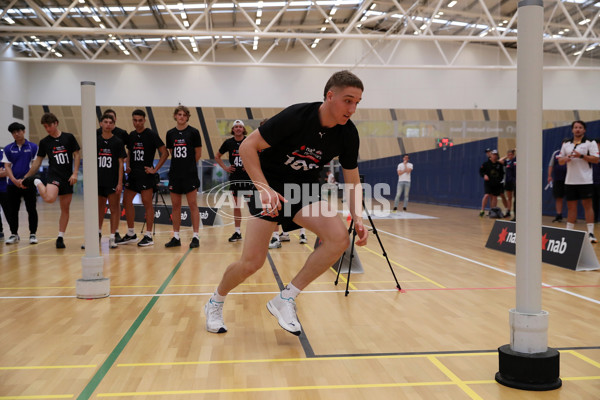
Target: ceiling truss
x=307, y=33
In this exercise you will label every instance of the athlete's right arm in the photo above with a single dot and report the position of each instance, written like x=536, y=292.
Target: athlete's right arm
x=229, y=169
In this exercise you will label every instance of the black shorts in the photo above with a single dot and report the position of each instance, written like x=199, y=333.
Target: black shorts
x=579, y=192
x=184, y=185
x=139, y=181
x=510, y=186
x=558, y=189
x=237, y=186
x=64, y=187
x=105, y=191
x=298, y=197
x=495, y=189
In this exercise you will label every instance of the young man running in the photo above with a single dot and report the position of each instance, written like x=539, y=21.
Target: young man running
x=185, y=146
x=298, y=142
x=62, y=150
x=142, y=146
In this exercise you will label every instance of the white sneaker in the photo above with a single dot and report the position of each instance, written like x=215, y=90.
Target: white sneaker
x=303, y=239
x=13, y=239
x=284, y=237
x=214, y=317
x=285, y=312
x=274, y=243
x=112, y=243
x=33, y=239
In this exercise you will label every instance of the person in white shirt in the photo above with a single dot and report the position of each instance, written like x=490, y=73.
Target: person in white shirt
x=579, y=153
x=404, y=169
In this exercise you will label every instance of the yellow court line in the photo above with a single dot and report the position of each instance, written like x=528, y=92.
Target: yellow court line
x=44, y=396
x=407, y=269
x=584, y=358
x=47, y=367
x=580, y=378
x=312, y=359
x=276, y=389
x=455, y=379
x=37, y=287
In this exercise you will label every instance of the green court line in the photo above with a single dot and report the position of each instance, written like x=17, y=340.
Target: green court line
x=112, y=357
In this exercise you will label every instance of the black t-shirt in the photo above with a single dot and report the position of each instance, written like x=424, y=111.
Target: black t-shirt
x=301, y=147
x=118, y=132
x=109, y=152
x=60, y=154
x=494, y=171
x=232, y=147
x=142, y=147
x=183, y=146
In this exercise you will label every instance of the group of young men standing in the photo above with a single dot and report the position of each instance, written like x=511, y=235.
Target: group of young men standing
x=22, y=160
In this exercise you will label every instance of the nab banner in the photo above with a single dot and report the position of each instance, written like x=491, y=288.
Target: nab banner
x=564, y=248
x=162, y=215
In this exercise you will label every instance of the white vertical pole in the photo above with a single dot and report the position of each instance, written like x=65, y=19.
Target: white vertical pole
x=528, y=363
x=529, y=178
x=92, y=284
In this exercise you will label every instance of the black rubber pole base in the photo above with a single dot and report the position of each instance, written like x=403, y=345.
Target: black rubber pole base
x=539, y=371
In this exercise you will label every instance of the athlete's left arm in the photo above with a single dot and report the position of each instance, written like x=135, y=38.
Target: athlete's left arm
x=76, y=162
x=352, y=182
x=120, y=183
x=198, y=154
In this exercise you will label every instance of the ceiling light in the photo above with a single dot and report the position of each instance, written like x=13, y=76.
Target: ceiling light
x=96, y=18
x=102, y=26
x=186, y=23
x=183, y=15
x=323, y=28
x=9, y=20
x=82, y=1
x=452, y=3
x=257, y=21
x=333, y=11
x=566, y=29
x=180, y=5
x=585, y=21
x=259, y=13
x=373, y=6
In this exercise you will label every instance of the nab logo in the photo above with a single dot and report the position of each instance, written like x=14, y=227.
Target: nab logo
x=554, y=246
x=157, y=214
x=505, y=236
x=184, y=215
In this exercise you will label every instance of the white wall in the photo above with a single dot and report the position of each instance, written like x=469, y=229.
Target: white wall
x=153, y=85
x=14, y=91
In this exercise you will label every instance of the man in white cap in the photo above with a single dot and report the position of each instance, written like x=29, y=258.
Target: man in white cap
x=238, y=178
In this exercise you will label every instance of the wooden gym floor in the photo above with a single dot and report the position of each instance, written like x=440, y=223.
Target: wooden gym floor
x=437, y=339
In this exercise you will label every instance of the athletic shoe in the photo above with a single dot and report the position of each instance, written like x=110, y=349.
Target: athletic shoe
x=33, y=239
x=303, y=239
x=12, y=239
x=284, y=237
x=235, y=237
x=127, y=239
x=214, y=317
x=1, y=236
x=173, y=243
x=285, y=312
x=28, y=182
x=194, y=243
x=146, y=241
x=118, y=238
x=404, y=208
x=275, y=243
x=481, y=213
x=592, y=238
x=112, y=243
x=558, y=218
x=60, y=243
x=395, y=209
x=507, y=214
